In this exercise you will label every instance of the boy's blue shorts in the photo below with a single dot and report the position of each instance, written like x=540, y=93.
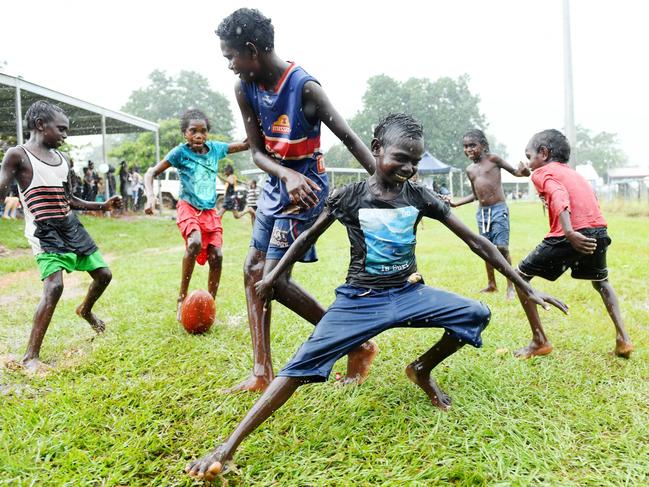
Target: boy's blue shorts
x=359, y=314
x=493, y=223
x=275, y=235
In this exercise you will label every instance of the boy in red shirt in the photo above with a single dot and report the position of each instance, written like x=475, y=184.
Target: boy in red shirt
x=577, y=239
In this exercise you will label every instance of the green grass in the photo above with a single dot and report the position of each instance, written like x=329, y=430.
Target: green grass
x=133, y=406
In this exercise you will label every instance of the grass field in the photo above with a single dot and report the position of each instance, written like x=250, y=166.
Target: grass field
x=133, y=406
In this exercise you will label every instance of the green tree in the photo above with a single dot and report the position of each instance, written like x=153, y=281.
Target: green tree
x=446, y=107
x=167, y=97
x=601, y=149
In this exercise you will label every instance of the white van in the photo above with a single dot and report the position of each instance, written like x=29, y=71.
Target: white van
x=169, y=184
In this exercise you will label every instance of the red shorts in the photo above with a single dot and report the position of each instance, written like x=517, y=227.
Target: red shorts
x=208, y=222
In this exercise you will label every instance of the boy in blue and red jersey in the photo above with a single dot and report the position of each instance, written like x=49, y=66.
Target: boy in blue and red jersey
x=282, y=108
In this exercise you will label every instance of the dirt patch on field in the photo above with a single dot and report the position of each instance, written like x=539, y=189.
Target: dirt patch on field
x=5, y=252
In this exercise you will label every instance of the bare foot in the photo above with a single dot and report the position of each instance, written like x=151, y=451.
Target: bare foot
x=208, y=467
x=623, y=349
x=511, y=294
x=491, y=288
x=35, y=367
x=95, y=323
x=359, y=362
x=436, y=395
x=533, y=350
x=254, y=383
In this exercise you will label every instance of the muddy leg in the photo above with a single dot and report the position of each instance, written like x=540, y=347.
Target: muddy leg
x=539, y=344
x=52, y=290
x=100, y=280
x=277, y=393
x=419, y=370
x=193, y=248
x=623, y=345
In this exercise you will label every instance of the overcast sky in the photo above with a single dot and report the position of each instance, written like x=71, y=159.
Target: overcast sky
x=512, y=50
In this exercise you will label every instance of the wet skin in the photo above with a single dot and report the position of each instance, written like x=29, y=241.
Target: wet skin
x=486, y=185
x=394, y=165
x=250, y=64
x=540, y=344
x=43, y=140
x=195, y=137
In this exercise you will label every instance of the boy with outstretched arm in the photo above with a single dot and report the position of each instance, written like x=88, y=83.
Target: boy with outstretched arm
x=197, y=162
x=283, y=108
x=577, y=239
x=487, y=188
x=383, y=289
x=58, y=239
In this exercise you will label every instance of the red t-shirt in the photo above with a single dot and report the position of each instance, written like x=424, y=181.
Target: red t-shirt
x=563, y=188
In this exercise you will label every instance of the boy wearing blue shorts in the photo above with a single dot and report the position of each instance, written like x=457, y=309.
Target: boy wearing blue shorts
x=282, y=108
x=486, y=187
x=383, y=289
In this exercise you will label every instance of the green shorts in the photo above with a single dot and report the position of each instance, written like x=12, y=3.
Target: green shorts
x=49, y=263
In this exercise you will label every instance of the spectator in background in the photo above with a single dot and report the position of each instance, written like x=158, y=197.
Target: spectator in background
x=11, y=203
x=136, y=186
x=111, y=182
x=124, y=184
x=87, y=180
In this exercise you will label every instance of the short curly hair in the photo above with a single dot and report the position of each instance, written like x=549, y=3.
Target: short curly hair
x=193, y=114
x=247, y=25
x=554, y=141
x=42, y=109
x=396, y=126
x=478, y=135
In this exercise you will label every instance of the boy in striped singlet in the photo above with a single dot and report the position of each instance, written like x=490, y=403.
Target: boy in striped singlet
x=58, y=239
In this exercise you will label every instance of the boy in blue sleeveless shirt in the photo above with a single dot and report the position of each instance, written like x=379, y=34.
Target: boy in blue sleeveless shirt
x=382, y=289
x=282, y=108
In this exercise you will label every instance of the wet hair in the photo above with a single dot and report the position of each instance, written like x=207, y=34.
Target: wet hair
x=247, y=25
x=193, y=114
x=478, y=135
x=554, y=141
x=396, y=126
x=42, y=109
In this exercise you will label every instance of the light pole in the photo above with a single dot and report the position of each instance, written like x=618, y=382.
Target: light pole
x=569, y=108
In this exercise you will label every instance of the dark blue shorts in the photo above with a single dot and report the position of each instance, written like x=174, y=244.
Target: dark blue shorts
x=359, y=314
x=275, y=235
x=493, y=223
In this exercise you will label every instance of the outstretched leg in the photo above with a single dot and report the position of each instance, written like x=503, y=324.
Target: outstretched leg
x=215, y=261
x=539, y=344
x=491, y=280
x=277, y=393
x=298, y=300
x=52, y=290
x=259, y=313
x=504, y=250
x=419, y=370
x=623, y=345
x=100, y=280
x=192, y=249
